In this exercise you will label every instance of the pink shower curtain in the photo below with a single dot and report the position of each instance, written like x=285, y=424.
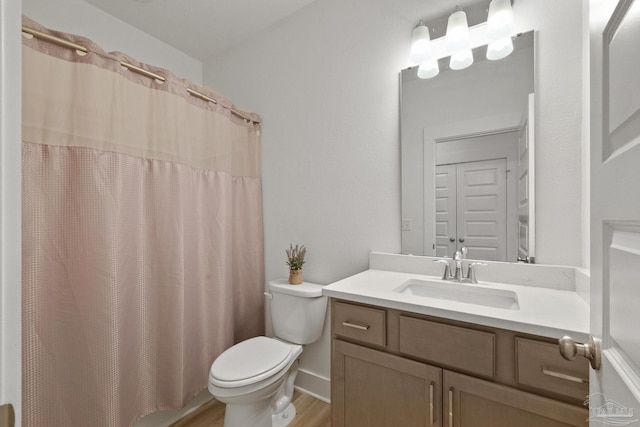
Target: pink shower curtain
x=142, y=236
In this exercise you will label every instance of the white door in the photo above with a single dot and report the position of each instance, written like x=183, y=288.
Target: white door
x=446, y=207
x=615, y=217
x=482, y=209
x=526, y=185
x=471, y=209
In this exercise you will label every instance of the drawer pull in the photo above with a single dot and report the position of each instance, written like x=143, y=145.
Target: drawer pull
x=560, y=375
x=431, y=404
x=356, y=326
x=450, y=407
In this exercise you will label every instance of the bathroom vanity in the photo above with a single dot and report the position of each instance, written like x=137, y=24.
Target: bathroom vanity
x=414, y=360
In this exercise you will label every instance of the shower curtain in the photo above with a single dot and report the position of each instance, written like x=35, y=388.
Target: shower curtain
x=142, y=236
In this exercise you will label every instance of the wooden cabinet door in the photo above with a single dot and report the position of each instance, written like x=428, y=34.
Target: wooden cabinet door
x=470, y=402
x=372, y=388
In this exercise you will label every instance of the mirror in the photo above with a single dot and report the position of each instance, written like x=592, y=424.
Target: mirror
x=467, y=149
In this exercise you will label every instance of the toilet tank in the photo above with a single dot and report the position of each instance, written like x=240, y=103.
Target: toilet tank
x=297, y=311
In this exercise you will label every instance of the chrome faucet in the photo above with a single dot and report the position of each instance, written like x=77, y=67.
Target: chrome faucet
x=471, y=272
x=458, y=256
x=458, y=275
x=447, y=270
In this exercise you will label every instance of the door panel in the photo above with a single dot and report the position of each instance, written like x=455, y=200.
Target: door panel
x=615, y=215
x=624, y=251
x=446, y=207
x=482, y=209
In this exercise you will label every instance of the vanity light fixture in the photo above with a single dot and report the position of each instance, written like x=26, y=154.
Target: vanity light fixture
x=420, y=44
x=428, y=69
x=460, y=40
x=499, y=29
x=500, y=20
x=421, y=52
x=461, y=59
x=457, y=37
x=457, y=40
x=499, y=49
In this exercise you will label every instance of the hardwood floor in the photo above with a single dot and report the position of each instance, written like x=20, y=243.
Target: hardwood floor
x=311, y=412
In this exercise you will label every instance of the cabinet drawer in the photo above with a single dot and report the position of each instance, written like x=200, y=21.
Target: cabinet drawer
x=540, y=365
x=454, y=347
x=363, y=324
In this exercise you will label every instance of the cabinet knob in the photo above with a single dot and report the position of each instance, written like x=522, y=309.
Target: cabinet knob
x=461, y=239
x=592, y=351
x=452, y=239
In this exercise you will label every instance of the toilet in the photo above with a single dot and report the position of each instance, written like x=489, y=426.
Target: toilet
x=255, y=377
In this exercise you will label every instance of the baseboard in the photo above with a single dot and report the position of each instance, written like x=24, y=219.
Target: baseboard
x=166, y=418
x=307, y=382
x=314, y=385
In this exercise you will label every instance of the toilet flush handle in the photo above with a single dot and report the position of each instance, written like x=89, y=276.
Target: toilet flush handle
x=268, y=295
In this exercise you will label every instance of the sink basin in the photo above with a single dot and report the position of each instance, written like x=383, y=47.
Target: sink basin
x=451, y=291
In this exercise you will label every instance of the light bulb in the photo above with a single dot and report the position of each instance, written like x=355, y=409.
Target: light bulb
x=457, y=37
x=461, y=59
x=420, y=45
x=500, y=20
x=499, y=49
x=428, y=69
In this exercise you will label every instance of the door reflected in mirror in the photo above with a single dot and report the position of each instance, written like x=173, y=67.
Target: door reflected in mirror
x=467, y=158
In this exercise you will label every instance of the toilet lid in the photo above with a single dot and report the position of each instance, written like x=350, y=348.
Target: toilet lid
x=251, y=361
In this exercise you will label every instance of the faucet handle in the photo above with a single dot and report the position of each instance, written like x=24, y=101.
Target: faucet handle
x=447, y=273
x=464, y=251
x=471, y=272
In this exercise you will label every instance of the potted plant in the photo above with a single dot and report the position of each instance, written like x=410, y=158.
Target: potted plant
x=295, y=261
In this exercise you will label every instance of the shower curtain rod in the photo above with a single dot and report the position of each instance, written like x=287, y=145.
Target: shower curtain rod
x=70, y=45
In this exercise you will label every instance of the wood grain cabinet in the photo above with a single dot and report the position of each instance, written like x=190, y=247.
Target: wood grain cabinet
x=392, y=368
x=471, y=402
x=381, y=389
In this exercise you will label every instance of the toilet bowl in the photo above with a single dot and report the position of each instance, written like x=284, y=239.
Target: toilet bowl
x=255, y=378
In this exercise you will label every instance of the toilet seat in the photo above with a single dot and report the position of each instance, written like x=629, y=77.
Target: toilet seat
x=249, y=362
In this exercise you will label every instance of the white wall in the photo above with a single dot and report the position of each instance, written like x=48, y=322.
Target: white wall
x=112, y=34
x=325, y=81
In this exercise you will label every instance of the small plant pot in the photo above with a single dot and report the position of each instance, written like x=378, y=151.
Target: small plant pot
x=295, y=277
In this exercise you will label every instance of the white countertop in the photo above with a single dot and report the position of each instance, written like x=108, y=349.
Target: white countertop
x=545, y=312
